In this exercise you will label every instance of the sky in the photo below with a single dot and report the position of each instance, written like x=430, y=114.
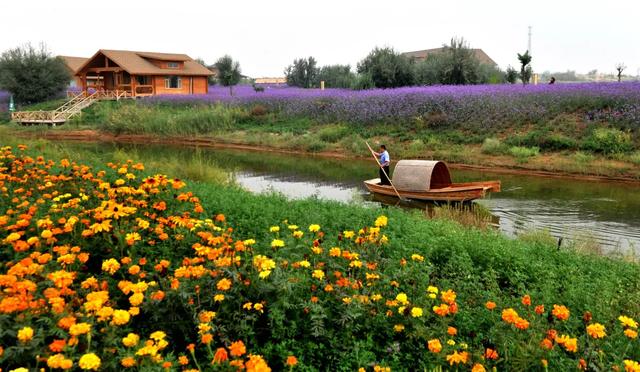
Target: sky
x=266, y=36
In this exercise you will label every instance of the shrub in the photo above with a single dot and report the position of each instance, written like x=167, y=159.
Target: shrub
x=635, y=158
x=362, y=82
x=493, y=146
x=609, y=141
x=387, y=68
x=522, y=154
x=333, y=133
x=258, y=110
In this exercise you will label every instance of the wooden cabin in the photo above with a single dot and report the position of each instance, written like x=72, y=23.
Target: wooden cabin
x=139, y=74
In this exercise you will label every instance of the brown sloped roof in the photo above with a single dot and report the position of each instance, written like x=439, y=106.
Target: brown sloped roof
x=74, y=63
x=423, y=54
x=137, y=63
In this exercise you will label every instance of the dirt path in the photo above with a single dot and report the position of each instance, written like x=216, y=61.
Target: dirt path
x=98, y=136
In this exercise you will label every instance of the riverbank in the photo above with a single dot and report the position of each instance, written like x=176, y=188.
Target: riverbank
x=411, y=266
x=557, y=165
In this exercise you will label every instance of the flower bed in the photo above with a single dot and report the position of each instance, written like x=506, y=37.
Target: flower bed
x=109, y=269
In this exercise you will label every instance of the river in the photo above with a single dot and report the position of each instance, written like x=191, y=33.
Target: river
x=606, y=212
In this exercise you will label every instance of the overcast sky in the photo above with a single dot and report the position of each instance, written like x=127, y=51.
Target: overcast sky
x=265, y=36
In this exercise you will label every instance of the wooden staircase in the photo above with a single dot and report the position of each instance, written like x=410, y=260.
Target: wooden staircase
x=69, y=109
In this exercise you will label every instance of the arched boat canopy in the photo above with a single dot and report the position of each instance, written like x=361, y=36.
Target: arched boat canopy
x=420, y=175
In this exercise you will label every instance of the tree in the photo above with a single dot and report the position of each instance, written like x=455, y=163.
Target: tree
x=511, y=76
x=525, y=67
x=211, y=79
x=460, y=65
x=302, y=73
x=228, y=72
x=32, y=74
x=336, y=76
x=387, y=68
x=620, y=67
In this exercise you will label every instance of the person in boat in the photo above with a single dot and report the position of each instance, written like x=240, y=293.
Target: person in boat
x=384, y=160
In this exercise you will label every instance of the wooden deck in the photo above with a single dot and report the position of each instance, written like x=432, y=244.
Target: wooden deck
x=74, y=106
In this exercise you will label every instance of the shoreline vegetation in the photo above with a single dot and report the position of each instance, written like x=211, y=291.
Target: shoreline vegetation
x=437, y=294
x=577, y=129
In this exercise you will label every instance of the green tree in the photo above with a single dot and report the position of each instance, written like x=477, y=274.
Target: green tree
x=461, y=65
x=32, y=74
x=431, y=70
x=228, y=72
x=336, y=76
x=211, y=79
x=387, y=68
x=525, y=67
x=511, y=75
x=620, y=67
x=302, y=73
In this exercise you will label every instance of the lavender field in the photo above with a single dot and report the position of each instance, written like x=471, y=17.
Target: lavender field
x=482, y=106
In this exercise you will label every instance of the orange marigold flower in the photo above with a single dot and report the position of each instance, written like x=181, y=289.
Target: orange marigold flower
x=207, y=338
x=57, y=345
x=452, y=331
x=539, y=309
x=237, y=348
x=561, y=312
x=434, y=346
x=526, y=300
x=128, y=362
x=458, y=358
x=223, y=284
x=509, y=315
x=490, y=305
x=448, y=296
x=546, y=344
x=220, y=356
x=491, y=354
x=596, y=330
x=521, y=323
x=478, y=368
x=630, y=333
x=582, y=364
x=291, y=361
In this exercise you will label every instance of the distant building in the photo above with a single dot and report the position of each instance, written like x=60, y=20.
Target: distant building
x=270, y=80
x=421, y=55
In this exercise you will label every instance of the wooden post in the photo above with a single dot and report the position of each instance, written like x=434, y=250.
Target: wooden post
x=322, y=85
x=133, y=85
x=83, y=79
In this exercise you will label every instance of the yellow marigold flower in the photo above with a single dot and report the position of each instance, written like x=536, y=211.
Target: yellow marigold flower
x=247, y=306
x=258, y=307
x=136, y=299
x=89, y=361
x=131, y=340
x=46, y=234
x=21, y=369
x=249, y=242
x=206, y=316
x=458, y=358
x=631, y=365
x=274, y=228
x=402, y=298
x=158, y=335
x=630, y=333
x=416, y=312
x=128, y=362
x=596, y=330
x=355, y=263
x=59, y=361
x=111, y=266
x=627, y=322
x=478, y=368
x=218, y=298
x=561, y=312
x=381, y=221
x=376, y=297
x=79, y=329
x=432, y=289
x=304, y=263
x=12, y=237
x=434, y=346
x=120, y=317
x=277, y=243
x=25, y=334
x=398, y=328
x=314, y=228
x=264, y=274
x=346, y=300
x=132, y=238
x=223, y=284
x=318, y=274
x=417, y=257
x=298, y=234
x=348, y=234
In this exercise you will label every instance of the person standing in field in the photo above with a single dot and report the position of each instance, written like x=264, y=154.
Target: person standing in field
x=384, y=160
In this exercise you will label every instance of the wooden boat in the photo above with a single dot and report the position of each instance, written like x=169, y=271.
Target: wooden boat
x=430, y=180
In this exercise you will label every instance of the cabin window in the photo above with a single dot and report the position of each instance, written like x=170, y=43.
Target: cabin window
x=143, y=80
x=172, y=65
x=173, y=82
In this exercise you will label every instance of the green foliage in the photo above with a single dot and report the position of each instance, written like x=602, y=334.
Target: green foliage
x=32, y=75
x=387, y=68
x=336, y=76
x=333, y=133
x=362, y=82
x=525, y=67
x=493, y=146
x=302, y=73
x=544, y=139
x=511, y=75
x=609, y=141
x=229, y=72
x=522, y=154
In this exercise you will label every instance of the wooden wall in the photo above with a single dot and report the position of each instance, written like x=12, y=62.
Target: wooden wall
x=200, y=85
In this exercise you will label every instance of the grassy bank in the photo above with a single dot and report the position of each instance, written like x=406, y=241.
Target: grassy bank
x=565, y=143
x=342, y=328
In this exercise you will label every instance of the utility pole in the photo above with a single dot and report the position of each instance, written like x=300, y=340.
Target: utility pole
x=529, y=43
